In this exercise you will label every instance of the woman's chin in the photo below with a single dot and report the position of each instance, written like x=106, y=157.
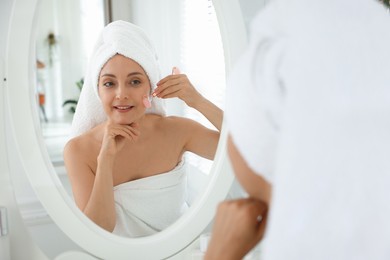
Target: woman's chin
x=124, y=122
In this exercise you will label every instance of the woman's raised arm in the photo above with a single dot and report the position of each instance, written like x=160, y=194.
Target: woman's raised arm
x=178, y=85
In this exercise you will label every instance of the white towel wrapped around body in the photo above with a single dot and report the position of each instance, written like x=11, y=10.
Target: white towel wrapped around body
x=123, y=38
x=148, y=205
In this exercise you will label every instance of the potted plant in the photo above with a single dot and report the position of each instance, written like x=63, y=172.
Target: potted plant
x=72, y=103
x=386, y=2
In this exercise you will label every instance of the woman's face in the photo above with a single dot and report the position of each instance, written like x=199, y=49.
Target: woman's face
x=123, y=84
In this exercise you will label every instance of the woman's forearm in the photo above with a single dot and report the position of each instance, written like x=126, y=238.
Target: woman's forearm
x=213, y=113
x=101, y=206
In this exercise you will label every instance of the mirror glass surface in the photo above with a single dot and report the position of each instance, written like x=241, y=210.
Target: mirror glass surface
x=184, y=32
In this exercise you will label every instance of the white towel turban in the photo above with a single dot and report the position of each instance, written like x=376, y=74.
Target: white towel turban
x=123, y=38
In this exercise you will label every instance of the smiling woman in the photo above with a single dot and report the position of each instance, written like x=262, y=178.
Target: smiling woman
x=120, y=79
x=174, y=47
x=129, y=142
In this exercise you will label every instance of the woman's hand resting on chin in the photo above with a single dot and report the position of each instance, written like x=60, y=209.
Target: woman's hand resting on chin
x=115, y=137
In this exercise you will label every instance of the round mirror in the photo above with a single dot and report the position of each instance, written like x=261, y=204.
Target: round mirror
x=36, y=160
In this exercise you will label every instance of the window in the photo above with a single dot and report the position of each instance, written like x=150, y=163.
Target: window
x=202, y=58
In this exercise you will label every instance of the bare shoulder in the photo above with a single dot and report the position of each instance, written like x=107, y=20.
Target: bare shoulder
x=77, y=145
x=194, y=136
x=85, y=142
x=183, y=127
x=178, y=122
x=81, y=151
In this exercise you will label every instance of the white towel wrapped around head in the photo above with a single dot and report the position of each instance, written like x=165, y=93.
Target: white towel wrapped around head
x=123, y=38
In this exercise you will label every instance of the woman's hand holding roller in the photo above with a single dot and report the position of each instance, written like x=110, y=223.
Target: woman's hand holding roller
x=178, y=85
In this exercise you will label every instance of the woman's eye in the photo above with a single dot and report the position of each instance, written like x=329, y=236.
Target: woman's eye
x=135, y=82
x=108, y=84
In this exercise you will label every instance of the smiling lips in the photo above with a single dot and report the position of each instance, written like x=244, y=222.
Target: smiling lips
x=123, y=108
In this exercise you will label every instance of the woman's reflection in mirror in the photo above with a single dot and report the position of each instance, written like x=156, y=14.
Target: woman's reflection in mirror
x=125, y=162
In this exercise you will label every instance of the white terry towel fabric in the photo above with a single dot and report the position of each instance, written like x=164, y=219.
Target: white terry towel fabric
x=123, y=38
x=148, y=205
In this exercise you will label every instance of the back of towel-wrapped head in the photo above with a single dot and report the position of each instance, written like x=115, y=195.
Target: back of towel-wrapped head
x=123, y=38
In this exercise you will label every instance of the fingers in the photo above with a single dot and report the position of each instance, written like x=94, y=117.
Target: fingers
x=130, y=132
x=169, y=92
x=249, y=212
x=237, y=228
x=177, y=86
x=169, y=78
x=175, y=71
x=171, y=84
x=252, y=207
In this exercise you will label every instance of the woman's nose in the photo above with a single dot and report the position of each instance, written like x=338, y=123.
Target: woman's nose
x=121, y=93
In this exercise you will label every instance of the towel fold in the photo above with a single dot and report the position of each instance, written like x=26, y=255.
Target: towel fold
x=148, y=205
x=123, y=38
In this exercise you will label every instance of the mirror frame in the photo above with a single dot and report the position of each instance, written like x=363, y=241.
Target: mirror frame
x=41, y=174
